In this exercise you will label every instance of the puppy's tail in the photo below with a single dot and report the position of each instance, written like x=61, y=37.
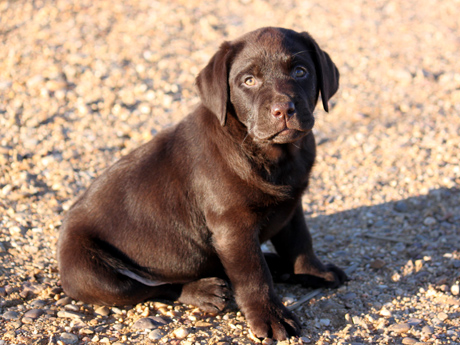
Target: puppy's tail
x=120, y=263
x=140, y=279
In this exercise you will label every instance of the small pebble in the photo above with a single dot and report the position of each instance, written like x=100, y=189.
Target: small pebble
x=116, y=310
x=86, y=331
x=27, y=320
x=427, y=330
x=356, y=320
x=409, y=341
x=385, y=313
x=202, y=324
x=181, y=333
x=68, y=338
x=69, y=314
x=429, y=221
x=159, y=320
x=436, y=321
x=38, y=304
x=329, y=238
x=145, y=323
x=34, y=313
x=349, y=296
x=63, y=301
x=399, y=328
x=401, y=206
x=414, y=322
x=72, y=307
x=455, y=289
x=156, y=334
x=15, y=324
x=103, y=311
x=443, y=316
x=325, y=322
x=377, y=264
x=11, y=315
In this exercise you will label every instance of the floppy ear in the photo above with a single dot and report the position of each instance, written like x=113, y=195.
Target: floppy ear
x=212, y=83
x=327, y=73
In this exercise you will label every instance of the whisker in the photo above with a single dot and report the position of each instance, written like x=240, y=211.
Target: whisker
x=301, y=52
x=247, y=134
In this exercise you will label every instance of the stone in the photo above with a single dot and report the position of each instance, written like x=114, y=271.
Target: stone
x=11, y=315
x=146, y=323
x=427, y=330
x=181, y=333
x=429, y=221
x=34, y=313
x=103, y=311
x=38, y=303
x=325, y=322
x=386, y=313
x=377, y=264
x=68, y=338
x=399, y=328
x=202, y=324
x=455, y=289
x=414, y=322
x=443, y=316
x=72, y=307
x=27, y=320
x=349, y=296
x=401, y=207
x=157, y=334
x=161, y=321
x=408, y=341
x=63, y=301
x=69, y=314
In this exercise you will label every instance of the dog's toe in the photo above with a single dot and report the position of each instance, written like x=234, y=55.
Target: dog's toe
x=209, y=294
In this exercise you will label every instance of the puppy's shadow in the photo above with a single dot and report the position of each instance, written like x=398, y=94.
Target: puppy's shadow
x=398, y=248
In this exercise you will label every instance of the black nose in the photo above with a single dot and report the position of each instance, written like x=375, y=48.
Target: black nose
x=283, y=110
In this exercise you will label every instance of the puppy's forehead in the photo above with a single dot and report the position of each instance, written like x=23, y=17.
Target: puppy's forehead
x=270, y=44
x=265, y=41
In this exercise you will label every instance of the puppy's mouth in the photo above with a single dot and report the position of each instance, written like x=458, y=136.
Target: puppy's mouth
x=287, y=134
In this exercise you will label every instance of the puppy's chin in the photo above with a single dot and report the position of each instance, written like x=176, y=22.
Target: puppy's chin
x=285, y=136
x=288, y=136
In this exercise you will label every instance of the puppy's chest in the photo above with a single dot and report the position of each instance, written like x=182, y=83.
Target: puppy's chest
x=275, y=219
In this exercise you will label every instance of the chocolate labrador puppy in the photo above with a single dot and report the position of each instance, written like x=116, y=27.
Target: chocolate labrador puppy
x=183, y=216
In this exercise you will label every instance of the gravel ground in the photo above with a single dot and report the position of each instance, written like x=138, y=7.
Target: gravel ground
x=83, y=83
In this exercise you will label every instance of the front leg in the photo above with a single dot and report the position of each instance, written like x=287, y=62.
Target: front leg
x=294, y=245
x=238, y=248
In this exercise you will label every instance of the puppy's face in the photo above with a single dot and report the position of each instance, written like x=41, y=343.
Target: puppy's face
x=270, y=79
x=273, y=86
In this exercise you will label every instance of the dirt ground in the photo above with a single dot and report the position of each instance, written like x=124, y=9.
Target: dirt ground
x=82, y=83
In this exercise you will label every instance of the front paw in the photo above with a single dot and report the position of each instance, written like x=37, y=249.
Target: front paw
x=272, y=320
x=337, y=276
x=330, y=277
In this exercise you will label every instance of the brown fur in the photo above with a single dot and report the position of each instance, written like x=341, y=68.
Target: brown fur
x=189, y=209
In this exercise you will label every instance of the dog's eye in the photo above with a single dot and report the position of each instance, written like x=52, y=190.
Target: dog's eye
x=299, y=72
x=250, y=81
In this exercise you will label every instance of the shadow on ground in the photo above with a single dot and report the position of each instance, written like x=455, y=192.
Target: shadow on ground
x=408, y=260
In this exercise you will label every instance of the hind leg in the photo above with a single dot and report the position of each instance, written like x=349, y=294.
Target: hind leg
x=88, y=278
x=89, y=273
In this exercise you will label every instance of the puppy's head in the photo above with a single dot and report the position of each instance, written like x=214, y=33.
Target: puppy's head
x=270, y=80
